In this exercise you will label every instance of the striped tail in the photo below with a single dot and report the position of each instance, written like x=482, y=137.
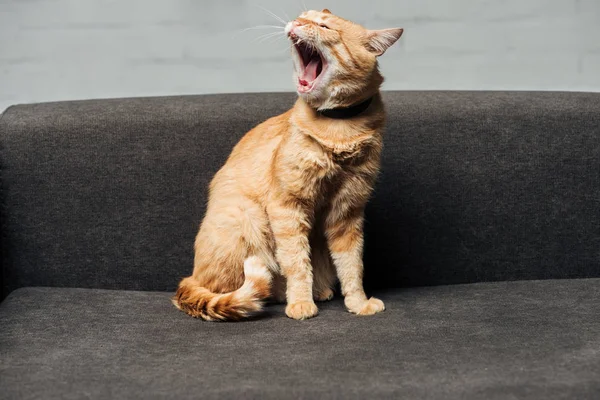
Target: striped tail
x=199, y=302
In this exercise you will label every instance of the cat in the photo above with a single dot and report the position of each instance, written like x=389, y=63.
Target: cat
x=285, y=213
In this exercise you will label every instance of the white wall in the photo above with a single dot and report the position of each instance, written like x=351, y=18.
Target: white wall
x=75, y=49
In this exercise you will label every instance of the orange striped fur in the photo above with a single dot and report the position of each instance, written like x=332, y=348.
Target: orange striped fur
x=285, y=213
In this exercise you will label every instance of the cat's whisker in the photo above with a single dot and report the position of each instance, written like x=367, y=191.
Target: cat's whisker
x=262, y=27
x=278, y=18
x=261, y=38
x=274, y=33
x=273, y=39
x=286, y=49
x=270, y=39
x=257, y=27
x=286, y=16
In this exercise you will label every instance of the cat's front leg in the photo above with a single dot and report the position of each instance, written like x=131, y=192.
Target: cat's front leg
x=291, y=226
x=345, y=240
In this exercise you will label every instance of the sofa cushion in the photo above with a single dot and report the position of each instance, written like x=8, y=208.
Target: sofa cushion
x=528, y=339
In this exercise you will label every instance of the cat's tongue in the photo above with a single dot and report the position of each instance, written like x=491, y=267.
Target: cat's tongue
x=312, y=69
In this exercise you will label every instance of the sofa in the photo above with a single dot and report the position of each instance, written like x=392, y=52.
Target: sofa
x=482, y=238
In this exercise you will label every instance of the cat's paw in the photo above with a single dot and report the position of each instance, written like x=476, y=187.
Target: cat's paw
x=301, y=310
x=372, y=306
x=366, y=307
x=323, y=295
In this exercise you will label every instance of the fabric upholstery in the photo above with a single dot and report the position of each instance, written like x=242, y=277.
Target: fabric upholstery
x=476, y=186
x=505, y=340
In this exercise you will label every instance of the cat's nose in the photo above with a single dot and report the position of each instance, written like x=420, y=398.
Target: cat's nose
x=295, y=24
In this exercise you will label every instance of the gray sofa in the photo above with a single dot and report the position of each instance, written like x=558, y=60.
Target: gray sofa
x=482, y=238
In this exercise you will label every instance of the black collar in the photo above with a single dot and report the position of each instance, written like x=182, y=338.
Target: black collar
x=346, y=112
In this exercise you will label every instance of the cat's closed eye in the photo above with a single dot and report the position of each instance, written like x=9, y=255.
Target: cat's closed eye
x=323, y=26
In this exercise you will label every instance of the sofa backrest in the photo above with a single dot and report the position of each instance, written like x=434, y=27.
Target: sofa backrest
x=475, y=186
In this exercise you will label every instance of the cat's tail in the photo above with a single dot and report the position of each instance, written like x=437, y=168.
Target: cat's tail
x=200, y=302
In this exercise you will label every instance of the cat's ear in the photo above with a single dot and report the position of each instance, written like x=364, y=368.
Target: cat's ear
x=379, y=41
x=326, y=11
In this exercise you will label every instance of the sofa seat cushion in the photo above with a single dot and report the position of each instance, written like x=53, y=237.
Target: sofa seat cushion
x=527, y=339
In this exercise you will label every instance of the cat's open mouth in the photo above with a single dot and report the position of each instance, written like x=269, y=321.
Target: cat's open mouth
x=312, y=65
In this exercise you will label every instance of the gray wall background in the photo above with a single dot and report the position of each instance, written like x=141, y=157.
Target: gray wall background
x=76, y=49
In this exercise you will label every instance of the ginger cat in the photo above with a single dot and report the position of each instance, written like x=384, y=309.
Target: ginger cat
x=285, y=212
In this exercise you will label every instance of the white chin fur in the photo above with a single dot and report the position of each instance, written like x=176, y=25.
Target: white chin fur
x=319, y=97
x=315, y=97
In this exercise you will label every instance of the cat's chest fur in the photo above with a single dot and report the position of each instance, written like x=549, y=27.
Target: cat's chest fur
x=315, y=169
